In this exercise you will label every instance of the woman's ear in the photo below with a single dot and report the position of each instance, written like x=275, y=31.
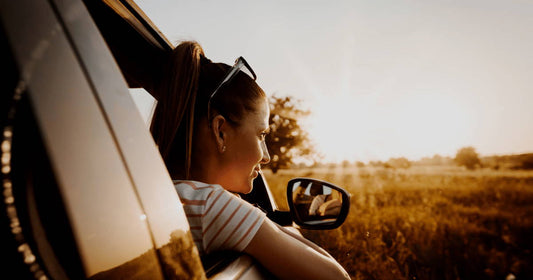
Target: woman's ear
x=219, y=128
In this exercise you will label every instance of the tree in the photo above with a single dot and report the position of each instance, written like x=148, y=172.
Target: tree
x=346, y=163
x=286, y=139
x=400, y=162
x=467, y=157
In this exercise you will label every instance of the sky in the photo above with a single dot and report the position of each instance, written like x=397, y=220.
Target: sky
x=382, y=78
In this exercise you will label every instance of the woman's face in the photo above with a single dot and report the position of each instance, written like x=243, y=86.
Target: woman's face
x=246, y=149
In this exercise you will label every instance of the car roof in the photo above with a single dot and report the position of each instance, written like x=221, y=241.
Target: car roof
x=138, y=46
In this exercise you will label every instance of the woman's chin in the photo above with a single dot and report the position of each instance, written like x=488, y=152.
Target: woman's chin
x=245, y=188
x=248, y=189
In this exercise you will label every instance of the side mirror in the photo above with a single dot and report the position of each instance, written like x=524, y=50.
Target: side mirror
x=316, y=204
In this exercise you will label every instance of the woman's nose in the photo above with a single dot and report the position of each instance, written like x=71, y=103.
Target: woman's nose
x=266, y=155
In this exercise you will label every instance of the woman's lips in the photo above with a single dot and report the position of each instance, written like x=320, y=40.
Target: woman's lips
x=256, y=171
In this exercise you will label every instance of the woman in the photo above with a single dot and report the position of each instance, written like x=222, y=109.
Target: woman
x=210, y=125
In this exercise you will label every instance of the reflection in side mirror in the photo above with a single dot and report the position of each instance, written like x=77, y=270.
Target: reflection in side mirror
x=316, y=204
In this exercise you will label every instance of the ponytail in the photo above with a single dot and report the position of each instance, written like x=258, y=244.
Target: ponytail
x=173, y=119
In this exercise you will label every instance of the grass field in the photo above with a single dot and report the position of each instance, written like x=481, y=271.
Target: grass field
x=427, y=222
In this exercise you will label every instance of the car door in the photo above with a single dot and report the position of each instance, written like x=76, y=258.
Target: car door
x=86, y=194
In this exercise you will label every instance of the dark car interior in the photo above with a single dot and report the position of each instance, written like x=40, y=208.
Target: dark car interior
x=137, y=45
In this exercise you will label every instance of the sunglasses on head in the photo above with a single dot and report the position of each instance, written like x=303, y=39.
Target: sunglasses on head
x=232, y=72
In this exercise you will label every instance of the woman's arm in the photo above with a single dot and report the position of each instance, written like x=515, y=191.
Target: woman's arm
x=305, y=241
x=289, y=256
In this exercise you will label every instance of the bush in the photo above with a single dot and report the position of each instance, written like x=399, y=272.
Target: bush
x=467, y=157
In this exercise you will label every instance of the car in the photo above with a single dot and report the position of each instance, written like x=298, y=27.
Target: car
x=86, y=194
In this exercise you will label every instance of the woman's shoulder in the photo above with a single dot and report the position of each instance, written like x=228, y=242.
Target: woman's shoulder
x=194, y=190
x=195, y=184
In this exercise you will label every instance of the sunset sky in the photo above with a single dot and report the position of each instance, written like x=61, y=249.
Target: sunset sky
x=382, y=78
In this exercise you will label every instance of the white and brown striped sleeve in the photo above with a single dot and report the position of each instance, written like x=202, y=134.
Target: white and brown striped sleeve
x=230, y=223
x=219, y=220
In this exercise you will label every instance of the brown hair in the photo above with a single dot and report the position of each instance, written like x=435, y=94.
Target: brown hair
x=184, y=89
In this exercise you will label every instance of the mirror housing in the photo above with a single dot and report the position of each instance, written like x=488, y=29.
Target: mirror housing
x=316, y=204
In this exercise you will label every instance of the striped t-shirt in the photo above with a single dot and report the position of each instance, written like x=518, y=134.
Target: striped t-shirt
x=219, y=220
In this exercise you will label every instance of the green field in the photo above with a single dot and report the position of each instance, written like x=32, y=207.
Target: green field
x=428, y=222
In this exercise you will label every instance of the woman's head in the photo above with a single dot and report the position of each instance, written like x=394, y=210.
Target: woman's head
x=182, y=110
x=240, y=150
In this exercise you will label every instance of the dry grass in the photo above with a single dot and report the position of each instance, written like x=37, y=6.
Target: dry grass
x=428, y=223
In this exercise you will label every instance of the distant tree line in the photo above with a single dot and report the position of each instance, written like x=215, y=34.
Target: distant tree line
x=513, y=162
x=288, y=141
x=469, y=158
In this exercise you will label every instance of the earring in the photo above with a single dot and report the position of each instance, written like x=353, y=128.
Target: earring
x=223, y=148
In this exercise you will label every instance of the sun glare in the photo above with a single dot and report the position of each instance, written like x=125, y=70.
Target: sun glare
x=351, y=127
x=335, y=126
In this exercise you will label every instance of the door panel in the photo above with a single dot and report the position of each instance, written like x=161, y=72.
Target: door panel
x=108, y=224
